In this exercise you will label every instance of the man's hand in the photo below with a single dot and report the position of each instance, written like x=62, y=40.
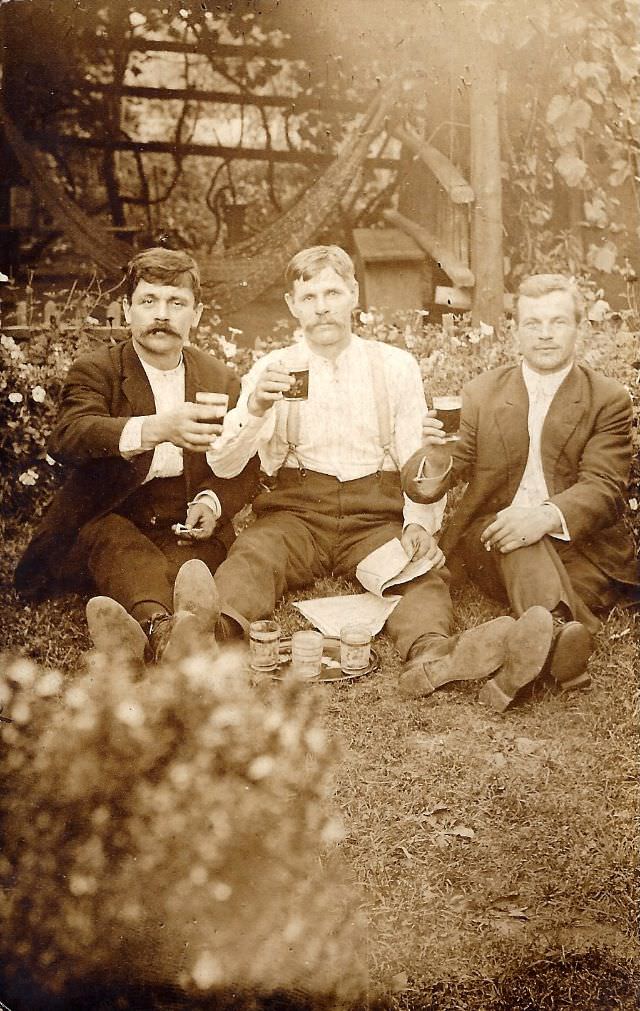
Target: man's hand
x=518, y=526
x=189, y=426
x=201, y=521
x=437, y=449
x=271, y=385
x=419, y=543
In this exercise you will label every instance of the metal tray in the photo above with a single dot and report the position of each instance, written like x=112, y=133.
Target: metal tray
x=330, y=671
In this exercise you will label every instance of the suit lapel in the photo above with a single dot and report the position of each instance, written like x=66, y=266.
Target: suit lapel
x=512, y=419
x=140, y=402
x=135, y=385
x=563, y=416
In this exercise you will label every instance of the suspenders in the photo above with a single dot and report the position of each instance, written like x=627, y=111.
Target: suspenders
x=288, y=424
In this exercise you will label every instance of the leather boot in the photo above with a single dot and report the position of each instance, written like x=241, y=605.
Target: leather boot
x=478, y=652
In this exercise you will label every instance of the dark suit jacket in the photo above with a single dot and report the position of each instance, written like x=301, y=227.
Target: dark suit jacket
x=101, y=392
x=586, y=455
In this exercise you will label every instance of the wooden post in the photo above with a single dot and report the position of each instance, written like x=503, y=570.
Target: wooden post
x=486, y=244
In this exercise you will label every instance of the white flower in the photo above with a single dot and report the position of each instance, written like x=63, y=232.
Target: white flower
x=92, y=321
x=633, y=504
x=486, y=329
x=39, y=394
x=366, y=317
x=49, y=459
x=29, y=477
x=229, y=349
x=3, y=277
x=15, y=398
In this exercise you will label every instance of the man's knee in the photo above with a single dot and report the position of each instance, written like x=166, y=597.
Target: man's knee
x=109, y=529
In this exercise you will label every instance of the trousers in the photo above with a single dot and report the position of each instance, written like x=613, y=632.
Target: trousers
x=133, y=555
x=312, y=526
x=550, y=573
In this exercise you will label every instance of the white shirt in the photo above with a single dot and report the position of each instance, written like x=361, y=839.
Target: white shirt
x=541, y=390
x=338, y=432
x=167, y=386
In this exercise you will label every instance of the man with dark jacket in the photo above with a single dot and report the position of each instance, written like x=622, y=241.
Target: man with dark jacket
x=130, y=426
x=545, y=446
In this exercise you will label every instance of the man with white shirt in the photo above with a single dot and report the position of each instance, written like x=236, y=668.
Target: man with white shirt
x=545, y=447
x=333, y=462
x=129, y=425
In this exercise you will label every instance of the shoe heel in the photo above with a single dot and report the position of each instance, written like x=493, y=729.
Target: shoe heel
x=580, y=681
x=491, y=694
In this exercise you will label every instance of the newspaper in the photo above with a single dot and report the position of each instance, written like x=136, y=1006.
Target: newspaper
x=389, y=566
x=385, y=567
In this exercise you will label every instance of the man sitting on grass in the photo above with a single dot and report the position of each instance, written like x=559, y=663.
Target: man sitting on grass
x=334, y=459
x=546, y=448
x=130, y=427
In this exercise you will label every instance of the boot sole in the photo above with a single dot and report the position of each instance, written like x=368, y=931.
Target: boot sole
x=195, y=591
x=113, y=631
x=528, y=648
x=185, y=639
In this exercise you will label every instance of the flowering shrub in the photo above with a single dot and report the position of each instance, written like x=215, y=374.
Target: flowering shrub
x=31, y=376
x=173, y=827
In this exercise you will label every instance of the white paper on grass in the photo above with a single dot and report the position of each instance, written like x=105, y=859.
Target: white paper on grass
x=330, y=614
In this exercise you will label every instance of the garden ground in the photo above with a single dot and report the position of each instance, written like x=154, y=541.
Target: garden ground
x=494, y=854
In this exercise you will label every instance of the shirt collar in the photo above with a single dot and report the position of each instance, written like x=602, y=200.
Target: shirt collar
x=301, y=341
x=154, y=373
x=547, y=384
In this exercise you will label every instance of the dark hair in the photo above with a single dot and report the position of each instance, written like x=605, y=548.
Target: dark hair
x=309, y=262
x=538, y=285
x=163, y=266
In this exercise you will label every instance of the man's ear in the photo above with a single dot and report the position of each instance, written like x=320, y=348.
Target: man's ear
x=356, y=293
x=197, y=314
x=288, y=297
x=126, y=308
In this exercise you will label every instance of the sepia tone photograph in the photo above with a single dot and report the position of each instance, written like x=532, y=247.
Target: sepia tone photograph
x=319, y=505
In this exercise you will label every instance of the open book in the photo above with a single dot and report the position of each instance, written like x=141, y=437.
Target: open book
x=388, y=566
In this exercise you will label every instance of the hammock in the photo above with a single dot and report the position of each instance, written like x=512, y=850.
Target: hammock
x=247, y=268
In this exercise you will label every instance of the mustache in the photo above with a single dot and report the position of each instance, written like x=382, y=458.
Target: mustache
x=161, y=328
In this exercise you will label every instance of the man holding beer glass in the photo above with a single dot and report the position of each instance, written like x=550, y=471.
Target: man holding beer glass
x=545, y=446
x=141, y=509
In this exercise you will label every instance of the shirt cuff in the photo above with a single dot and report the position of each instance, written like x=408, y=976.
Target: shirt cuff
x=429, y=517
x=209, y=498
x=130, y=444
x=565, y=535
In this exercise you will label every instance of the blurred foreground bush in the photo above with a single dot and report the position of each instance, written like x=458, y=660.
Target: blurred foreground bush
x=173, y=832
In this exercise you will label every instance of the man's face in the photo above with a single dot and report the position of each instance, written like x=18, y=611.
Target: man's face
x=323, y=306
x=547, y=331
x=161, y=316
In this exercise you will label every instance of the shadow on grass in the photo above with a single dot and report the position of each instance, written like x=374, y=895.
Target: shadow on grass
x=590, y=981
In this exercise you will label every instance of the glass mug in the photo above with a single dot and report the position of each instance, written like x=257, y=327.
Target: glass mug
x=264, y=646
x=355, y=648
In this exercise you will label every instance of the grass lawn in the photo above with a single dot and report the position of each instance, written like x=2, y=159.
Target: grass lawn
x=494, y=853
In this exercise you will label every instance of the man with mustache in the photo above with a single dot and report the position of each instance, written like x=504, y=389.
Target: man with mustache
x=333, y=461
x=130, y=427
x=545, y=446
